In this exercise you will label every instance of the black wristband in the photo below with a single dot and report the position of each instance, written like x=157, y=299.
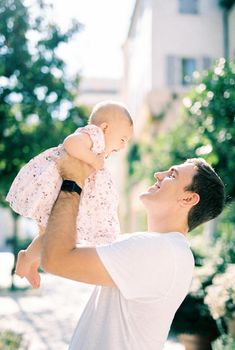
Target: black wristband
x=70, y=186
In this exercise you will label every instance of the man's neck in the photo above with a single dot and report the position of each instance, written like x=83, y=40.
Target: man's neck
x=166, y=224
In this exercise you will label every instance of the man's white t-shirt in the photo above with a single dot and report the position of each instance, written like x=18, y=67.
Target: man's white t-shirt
x=153, y=273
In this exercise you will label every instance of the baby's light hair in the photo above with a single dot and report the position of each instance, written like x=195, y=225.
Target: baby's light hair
x=108, y=111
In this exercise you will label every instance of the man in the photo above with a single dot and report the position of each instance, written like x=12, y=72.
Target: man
x=142, y=278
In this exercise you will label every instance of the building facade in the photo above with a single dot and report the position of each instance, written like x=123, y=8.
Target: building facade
x=167, y=41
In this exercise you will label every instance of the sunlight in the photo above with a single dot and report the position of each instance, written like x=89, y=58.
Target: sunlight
x=97, y=50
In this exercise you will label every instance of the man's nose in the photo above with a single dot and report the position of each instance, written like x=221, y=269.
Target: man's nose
x=159, y=175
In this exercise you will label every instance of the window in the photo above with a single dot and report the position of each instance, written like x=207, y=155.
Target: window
x=179, y=70
x=188, y=66
x=188, y=6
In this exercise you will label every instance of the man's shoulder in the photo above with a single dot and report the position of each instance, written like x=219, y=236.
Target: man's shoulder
x=161, y=246
x=171, y=242
x=144, y=238
x=148, y=235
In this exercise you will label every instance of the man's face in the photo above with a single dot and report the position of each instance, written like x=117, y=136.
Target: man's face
x=169, y=189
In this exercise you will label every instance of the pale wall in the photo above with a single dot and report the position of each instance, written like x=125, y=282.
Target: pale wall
x=184, y=35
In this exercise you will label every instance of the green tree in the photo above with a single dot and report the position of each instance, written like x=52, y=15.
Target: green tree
x=37, y=98
x=208, y=126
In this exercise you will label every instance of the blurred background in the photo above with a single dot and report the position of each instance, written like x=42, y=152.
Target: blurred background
x=172, y=63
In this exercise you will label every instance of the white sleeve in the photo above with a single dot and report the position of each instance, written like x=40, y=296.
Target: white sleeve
x=141, y=265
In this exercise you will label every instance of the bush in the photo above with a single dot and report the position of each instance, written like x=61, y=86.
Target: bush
x=224, y=343
x=10, y=340
x=193, y=317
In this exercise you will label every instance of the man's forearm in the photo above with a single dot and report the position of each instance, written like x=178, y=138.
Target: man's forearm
x=60, y=235
x=60, y=256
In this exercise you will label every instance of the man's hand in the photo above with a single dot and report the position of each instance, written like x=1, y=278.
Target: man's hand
x=71, y=168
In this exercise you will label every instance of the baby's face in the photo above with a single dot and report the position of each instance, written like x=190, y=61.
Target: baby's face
x=117, y=135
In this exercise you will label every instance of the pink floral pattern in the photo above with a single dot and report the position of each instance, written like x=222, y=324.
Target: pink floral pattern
x=36, y=187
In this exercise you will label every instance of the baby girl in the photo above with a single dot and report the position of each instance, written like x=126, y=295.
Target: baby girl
x=36, y=187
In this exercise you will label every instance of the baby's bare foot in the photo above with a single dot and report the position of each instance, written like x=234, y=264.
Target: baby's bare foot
x=28, y=269
x=22, y=264
x=33, y=275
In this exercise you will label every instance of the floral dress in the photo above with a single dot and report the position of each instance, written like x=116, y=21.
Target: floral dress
x=36, y=187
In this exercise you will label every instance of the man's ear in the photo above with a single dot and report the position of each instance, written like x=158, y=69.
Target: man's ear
x=190, y=199
x=104, y=126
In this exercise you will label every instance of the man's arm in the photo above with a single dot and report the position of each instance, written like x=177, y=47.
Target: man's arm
x=60, y=256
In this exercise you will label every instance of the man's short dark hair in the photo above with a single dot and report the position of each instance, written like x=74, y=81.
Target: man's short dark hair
x=207, y=183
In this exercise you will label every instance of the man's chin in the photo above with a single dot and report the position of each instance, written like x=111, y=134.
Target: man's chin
x=149, y=195
x=142, y=196
x=145, y=195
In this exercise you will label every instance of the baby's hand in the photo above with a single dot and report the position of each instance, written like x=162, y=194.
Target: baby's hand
x=99, y=161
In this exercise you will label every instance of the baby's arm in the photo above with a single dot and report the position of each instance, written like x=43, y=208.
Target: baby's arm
x=79, y=146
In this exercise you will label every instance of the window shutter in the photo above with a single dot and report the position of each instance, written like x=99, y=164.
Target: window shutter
x=188, y=6
x=206, y=62
x=171, y=70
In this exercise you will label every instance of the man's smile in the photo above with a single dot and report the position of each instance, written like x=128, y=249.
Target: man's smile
x=154, y=187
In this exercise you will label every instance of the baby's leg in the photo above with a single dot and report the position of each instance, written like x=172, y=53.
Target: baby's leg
x=33, y=251
x=28, y=261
